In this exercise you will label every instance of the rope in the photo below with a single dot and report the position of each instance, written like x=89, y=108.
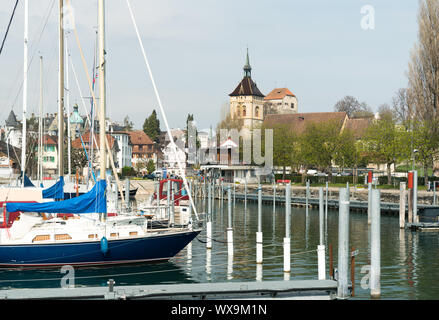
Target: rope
x=9, y=25
x=49, y=11
x=174, y=148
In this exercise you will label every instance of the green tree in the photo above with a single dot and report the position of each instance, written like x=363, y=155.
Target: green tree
x=150, y=167
x=420, y=138
x=151, y=126
x=79, y=159
x=345, y=151
x=321, y=144
x=284, y=147
x=384, y=142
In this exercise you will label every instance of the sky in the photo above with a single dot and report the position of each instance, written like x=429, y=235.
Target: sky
x=318, y=49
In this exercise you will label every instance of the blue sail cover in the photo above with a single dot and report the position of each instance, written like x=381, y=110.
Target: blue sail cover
x=93, y=201
x=56, y=191
x=27, y=182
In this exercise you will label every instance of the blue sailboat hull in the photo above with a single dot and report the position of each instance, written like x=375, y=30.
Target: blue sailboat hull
x=123, y=251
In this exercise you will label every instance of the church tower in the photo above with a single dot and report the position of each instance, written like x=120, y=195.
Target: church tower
x=246, y=101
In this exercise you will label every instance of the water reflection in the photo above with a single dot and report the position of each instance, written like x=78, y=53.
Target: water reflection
x=409, y=260
x=167, y=272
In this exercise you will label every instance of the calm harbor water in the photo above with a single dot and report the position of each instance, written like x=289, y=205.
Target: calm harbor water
x=409, y=260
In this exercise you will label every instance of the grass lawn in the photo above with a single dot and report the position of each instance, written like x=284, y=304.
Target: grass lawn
x=406, y=168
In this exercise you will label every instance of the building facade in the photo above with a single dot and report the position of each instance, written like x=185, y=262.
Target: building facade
x=50, y=154
x=123, y=156
x=280, y=101
x=87, y=140
x=143, y=150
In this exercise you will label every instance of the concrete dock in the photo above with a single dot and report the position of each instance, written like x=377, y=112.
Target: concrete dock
x=277, y=290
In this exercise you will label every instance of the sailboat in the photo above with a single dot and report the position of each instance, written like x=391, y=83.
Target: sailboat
x=90, y=237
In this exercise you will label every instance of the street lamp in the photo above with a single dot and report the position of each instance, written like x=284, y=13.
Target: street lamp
x=414, y=154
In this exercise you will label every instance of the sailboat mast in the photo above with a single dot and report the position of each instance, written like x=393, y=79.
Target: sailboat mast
x=92, y=112
x=102, y=94
x=23, y=138
x=61, y=92
x=69, y=138
x=40, y=126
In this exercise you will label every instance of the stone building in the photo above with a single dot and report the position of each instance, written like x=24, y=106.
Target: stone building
x=247, y=101
x=280, y=101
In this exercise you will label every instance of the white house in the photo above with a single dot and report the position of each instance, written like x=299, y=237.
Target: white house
x=50, y=154
x=170, y=159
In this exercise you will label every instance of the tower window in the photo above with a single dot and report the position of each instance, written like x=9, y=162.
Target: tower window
x=292, y=105
x=238, y=111
x=244, y=112
x=257, y=112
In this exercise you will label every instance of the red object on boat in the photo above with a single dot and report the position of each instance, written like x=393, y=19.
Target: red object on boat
x=283, y=181
x=179, y=194
x=410, y=180
x=11, y=216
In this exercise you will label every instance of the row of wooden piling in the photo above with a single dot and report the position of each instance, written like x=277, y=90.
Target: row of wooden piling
x=344, y=255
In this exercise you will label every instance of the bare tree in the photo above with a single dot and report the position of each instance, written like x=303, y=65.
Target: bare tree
x=353, y=107
x=423, y=73
x=385, y=111
x=401, y=106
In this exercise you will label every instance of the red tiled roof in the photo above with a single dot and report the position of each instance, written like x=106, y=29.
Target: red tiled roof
x=50, y=140
x=278, y=93
x=139, y=137
x=358, y=126
x=86, y=137
x=299, y=121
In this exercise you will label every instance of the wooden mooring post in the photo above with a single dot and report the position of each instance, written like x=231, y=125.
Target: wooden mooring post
x=375, y=245
x=369, y=201
x=287, y=239
x=172, y=219
x=415, y=197
x=259, y=233
x=331, y=262
x=209, y=218
x=402, y=196
x=321, y=247
x=229, y=226
x=343, y=244
x=353, y=254
x=127, y=193
x=306, y=197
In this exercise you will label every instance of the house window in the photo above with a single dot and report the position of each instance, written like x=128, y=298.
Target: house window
x=257, y=112
x=292, y=106
x=140, y=148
